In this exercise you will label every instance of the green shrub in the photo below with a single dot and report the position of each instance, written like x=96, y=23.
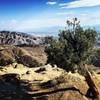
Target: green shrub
x=74, y=47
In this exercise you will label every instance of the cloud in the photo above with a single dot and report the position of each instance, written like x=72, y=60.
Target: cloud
x=70, y=13
x=80, y=3
x=51, y=2
x=44, y=24
x=86, y=18
x=27, y=25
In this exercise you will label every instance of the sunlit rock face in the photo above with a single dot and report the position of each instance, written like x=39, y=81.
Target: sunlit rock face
x=41, y=83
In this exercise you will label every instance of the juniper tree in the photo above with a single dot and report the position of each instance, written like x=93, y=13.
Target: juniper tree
x=73, y=48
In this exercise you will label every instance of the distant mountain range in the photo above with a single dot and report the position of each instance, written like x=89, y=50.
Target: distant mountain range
x=98, y=44
x=24, y=39
x=19, y=39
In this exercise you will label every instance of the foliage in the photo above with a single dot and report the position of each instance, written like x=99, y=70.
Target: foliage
x=97, y=53
x=96, y=59
x=48, y=39
x=73, y=48
x=4, y=62
x=99, y=38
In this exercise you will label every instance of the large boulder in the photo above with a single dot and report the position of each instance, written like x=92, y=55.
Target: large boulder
x=69, y=86
x=94, y=85
x=67, y=95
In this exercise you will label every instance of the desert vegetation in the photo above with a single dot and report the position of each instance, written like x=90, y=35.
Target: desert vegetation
x=74, y=47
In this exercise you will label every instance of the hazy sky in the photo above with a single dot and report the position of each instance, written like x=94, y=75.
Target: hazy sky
x=46, y=15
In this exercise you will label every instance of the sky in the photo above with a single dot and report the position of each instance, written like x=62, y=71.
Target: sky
x=47, y=15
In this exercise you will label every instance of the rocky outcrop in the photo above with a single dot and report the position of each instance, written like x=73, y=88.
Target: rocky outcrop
x=43, y=83
x=94, y=85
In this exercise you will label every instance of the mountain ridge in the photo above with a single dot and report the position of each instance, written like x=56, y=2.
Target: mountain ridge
x=19, y=39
